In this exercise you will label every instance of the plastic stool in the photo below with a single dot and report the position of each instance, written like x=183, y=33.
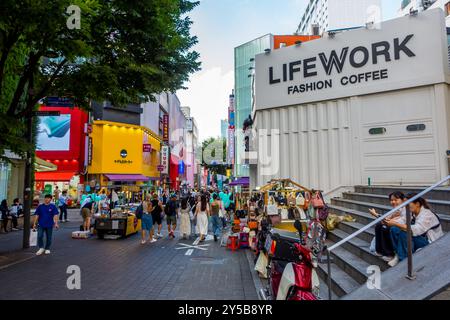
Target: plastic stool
x=233, y=242
x=243, y=240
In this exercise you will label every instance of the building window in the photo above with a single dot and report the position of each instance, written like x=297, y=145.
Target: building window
x=377, y=131
x=416, y=127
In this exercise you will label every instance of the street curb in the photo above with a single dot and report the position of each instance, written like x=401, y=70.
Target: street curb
x=256, y=280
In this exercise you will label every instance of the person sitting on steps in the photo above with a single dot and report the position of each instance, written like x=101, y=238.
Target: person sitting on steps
x=383, y=242
x=425, y=227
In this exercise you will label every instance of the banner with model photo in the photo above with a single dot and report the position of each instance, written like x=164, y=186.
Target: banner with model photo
x=54, y=133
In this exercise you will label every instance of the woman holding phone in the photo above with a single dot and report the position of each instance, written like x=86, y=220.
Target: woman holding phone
x=383, y=241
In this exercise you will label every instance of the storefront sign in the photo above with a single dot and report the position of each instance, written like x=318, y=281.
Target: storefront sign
x=181, y=167
x=147, y=148
x=231, y=113
x=362, y=61
x=89, y=151
x=166, y=128
x=189, y=125
x=165, y=159
x=230, y=144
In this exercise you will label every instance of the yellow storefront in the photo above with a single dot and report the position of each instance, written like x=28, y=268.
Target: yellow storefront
x=119, y=150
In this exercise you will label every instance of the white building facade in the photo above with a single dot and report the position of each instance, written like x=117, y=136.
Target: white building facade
x=325, y=15
x=365, y=104
x=407, y=6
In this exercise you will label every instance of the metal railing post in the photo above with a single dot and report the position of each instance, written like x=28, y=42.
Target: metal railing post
x=329, y=275
x=410, y=275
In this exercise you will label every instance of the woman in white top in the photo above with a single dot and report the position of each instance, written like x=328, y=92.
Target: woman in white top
x=383, y=241
x=202, y=214
x=185, y=219
x=425, y=226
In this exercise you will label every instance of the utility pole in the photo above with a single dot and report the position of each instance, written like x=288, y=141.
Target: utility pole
x=27, y=196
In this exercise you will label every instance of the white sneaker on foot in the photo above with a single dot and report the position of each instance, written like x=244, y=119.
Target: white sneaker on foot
x=40, y=251
x=143, y=242
x=153, y=241
x=394, y=261
x=387, y=259
x=377, y=254
x=159, y=235
x=47, y=251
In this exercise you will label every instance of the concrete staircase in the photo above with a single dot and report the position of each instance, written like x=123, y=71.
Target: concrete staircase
x=351, y=260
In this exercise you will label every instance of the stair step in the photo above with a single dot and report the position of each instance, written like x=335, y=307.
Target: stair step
x=350, y=263
x=352, y=227
x=323, y=288
x=438, y=206
x=361, y=209
x=441, y=193
x=358, y=247
x=341, y=283
x=362, y=217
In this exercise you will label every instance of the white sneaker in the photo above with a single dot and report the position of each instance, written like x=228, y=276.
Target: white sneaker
x=40, y=251
x=159, y=235
x=47, y=251
x=387, y=259
x=394, y=261
x=377, y=254
x=143, y=242
x=153, y=241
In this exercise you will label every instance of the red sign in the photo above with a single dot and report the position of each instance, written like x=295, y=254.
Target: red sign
x=147, y=148
x=166, y=128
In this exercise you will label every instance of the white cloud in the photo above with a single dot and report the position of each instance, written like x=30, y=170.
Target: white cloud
x=208, y=95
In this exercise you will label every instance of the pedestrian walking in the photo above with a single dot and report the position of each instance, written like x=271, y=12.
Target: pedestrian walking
x=216, y=206
x=185, y=219
x=46, y=218
x=202, y=214
x=147, y=221
x=171, y=210
x=5, y=215
x=157, y=212
x=62, y=204
x=16, y=211
x=56, y=195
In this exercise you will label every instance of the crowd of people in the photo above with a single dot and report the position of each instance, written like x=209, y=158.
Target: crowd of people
x=192, y=212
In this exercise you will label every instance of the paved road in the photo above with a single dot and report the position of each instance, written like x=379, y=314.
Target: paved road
x=124, y=269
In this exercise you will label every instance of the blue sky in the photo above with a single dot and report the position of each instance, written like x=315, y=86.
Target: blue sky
x=221, y=25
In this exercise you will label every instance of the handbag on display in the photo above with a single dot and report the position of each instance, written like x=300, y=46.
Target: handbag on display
x=300, y=200
x=323, y=213
x=292, y=201
x=307, y=201
x=317, y=201
x=272, y=209
x=284, y=214
x=299, y=214
x=311, y=212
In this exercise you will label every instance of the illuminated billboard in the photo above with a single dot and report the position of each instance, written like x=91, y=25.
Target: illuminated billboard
x=54, y=133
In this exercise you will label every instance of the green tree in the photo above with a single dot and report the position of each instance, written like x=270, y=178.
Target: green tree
x=210, y=159
x=124, y=52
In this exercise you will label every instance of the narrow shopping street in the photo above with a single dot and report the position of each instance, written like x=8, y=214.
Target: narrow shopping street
x=124, y=269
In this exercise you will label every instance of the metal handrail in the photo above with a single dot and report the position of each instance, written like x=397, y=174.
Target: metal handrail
x=377, y=221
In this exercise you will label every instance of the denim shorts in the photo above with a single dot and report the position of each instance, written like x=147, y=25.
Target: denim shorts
x=147, y=222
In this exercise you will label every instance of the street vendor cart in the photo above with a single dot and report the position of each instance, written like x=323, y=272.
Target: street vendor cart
x=121, y=224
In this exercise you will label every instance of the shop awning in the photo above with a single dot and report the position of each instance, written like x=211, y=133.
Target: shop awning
x=243, y=181
x=44, y=166
x=54, y=176
x=127, y=177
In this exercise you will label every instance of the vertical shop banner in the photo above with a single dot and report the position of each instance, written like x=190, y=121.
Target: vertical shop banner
x=165, y=159
x=230, y=143
x=231, y=113
x=166, y=128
